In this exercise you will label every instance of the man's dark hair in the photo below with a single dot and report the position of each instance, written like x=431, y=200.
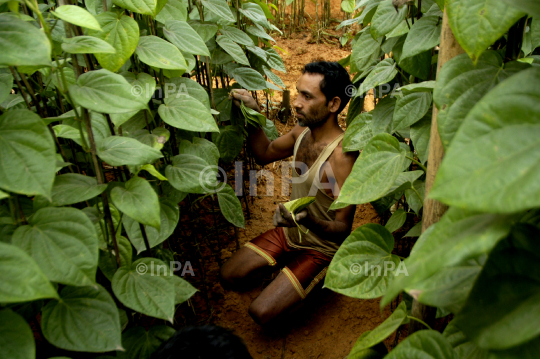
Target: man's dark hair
x=203, y=342
x=335, y=82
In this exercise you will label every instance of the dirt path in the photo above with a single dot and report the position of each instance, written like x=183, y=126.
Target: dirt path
x=327, y=324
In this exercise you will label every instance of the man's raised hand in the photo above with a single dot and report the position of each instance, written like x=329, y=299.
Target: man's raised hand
x=243, y=95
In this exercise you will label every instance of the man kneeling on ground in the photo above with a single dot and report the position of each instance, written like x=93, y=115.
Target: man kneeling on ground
x=315, y=143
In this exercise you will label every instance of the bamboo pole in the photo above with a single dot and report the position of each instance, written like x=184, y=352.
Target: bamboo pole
x=434, y=210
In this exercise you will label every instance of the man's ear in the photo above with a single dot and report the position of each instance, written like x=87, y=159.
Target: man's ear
x=333, y=105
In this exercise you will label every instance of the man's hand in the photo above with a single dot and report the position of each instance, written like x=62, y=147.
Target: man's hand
x=243, y=95
x=283, y=218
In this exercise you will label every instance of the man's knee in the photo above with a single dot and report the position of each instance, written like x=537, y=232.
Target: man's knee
x=228, y=276
x=260, y=313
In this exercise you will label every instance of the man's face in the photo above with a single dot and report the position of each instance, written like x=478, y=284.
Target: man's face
x=310, y=105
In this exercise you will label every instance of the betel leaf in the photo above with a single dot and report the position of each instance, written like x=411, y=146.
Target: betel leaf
x=272, y=76
x=374, y=171
x=383, y=115
x=219, y=8
x=384, y=72
x=107, y=258
x=251, y=116
x=476, y=24
x=458, y=236
x=23, y=44
x=529, y=6
x=229, y=143
x=200, y=147
x=63, y=242
x=255, y=13
x=156, y=52
x=183, y=289
x=182, y=86
x=510, y=273
x=237, y=35
x=297, y=205
x=425, y=34
x=498, y=140
x=16, y=337
x=270, y=130
x=71, y=188
x=230, y=206
x=145, y=85
x=206, y=31
x=188, y=114
x=145, y=7
x=365, y=51
x=383, y=331
x=415, y=196
x=358, y=133
x=461, y=84
x=232, y=49
x=386, y=18
x=104, y=91
x=122, y=33
x=145, y=286
x=396, y=221
x=182, y=35
x=249, y=79
x=84, y=319
x=274, y=60
x=140, y=343
x=410, y=109
x=419, y=65
x=6, y=84
x=260, y=53
x=27, y=161
x=258, y=31
x=449, y=288
x=138, y=200
x=22, y=279
x=173, y=10
x=363, y=264
x=377, y=351
x=420, y=134
x=426, y=86
x=87, y=45
x=119, y=151
x=465, y=348
x=415, y=231
x=76, y=15
x=169, y=214
x=190, y=174
x=423, y=344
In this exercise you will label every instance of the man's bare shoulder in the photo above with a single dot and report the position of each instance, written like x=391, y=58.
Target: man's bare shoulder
x=344, y=161
x=296, y=131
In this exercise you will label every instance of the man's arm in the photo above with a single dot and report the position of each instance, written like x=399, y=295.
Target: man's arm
x=338, y=229
x=264, y=150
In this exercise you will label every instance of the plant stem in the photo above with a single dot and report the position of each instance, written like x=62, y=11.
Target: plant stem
x=418, y=163
x=420, y=321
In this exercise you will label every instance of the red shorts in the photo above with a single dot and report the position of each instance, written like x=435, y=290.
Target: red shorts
x=304, y=267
